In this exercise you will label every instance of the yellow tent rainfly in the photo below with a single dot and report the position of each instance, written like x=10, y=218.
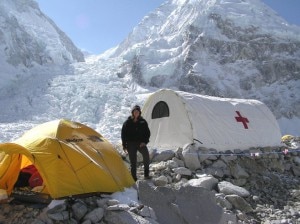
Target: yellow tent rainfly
x=71, y=159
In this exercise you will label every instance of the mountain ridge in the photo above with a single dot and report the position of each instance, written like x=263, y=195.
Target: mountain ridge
x=30, y=39
x=212, y=46
x=186, y=13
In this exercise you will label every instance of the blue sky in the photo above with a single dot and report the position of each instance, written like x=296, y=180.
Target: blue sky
x=97, y=25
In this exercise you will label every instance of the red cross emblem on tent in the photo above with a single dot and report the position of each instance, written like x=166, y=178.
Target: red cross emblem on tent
x=242, y=119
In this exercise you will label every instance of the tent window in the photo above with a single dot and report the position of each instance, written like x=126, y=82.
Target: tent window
x=160, y=109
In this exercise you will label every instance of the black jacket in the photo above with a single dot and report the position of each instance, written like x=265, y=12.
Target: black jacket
x=135, y=131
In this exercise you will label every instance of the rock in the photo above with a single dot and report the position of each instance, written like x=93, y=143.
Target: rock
x=59, y=216
x=239, y=203
x=239, y=182
x=95, y=216
x=147, y=211
x=221, y=166
x=207, y=154
x=228, y=188
x=190, y=155
x=102, y=202
x=178, y=153
x=207, y=182
x=274, y=194
x=216, y=172
x=159, y=166
x=118, y=207
x=182, y=171
x=238, y=172
x=125, y=217
x=179, y=162
x=163, y=155
x=296, y=160
x=220, y=199
x=228, y=157
x=79, y=209
x=174, y=206
x=161, y=181
x=87, y=222
x=60, y=207
x=296, y=170
x=112, y=202
x=172, y=164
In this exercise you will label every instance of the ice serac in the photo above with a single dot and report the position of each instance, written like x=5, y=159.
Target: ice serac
x=226, y=48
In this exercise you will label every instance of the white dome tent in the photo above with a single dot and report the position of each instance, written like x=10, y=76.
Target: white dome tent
x=177, y=118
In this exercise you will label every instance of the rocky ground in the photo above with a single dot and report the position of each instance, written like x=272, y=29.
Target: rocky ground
x=257, y=186
x=275, y=198
x=271, y=176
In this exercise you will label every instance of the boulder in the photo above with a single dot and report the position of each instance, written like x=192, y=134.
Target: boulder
x=228, y=188
x=187, y=204
x=207, y=182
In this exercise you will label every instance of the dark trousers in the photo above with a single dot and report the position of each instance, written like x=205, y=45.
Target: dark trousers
x=133, y=148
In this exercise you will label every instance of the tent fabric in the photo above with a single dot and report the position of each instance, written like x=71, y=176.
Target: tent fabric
x=71, y=159
x=217, y=123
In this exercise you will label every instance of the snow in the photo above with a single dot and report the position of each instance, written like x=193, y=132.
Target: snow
x=289, y=126
x=41, y=29
x=167, y=21
x=128, y=196
x=93, y=94
x=90, y=93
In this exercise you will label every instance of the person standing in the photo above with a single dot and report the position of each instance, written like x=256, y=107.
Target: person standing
x=135, y=136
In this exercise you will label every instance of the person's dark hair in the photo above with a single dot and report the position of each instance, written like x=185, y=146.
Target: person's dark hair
x=136, y=107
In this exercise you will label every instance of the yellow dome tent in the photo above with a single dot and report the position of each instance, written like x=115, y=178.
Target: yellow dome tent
x=71, y=158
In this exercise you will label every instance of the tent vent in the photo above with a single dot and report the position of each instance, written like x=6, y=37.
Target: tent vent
x=160, y=110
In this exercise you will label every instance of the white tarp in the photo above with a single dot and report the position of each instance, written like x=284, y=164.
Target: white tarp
x=219, y=123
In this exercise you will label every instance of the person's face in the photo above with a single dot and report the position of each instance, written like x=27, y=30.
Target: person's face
x=136, y=113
